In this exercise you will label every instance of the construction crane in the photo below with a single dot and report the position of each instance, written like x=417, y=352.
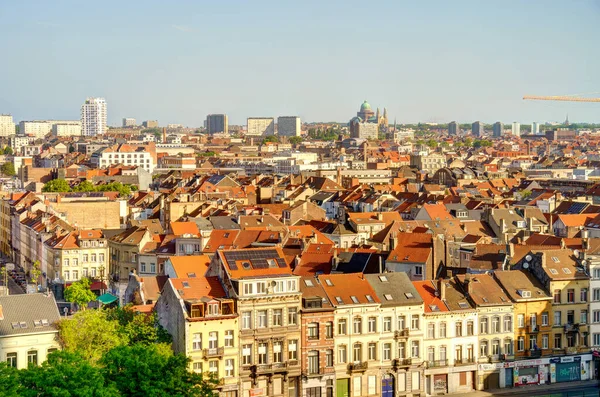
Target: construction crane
x=568, y=98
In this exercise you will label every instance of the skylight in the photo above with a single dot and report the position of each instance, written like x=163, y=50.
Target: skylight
x=339, y=300
x=328, y=282
x=566, y=270
x=185, y=284
x=388, y=297
x=354, y=299
x=409, y=295
x=463, y=305
x=555, y=259
x=434, y=308
x=369, y=298
x=308, y=283
x=191, y=275
x=383, y=279
x=553, y=271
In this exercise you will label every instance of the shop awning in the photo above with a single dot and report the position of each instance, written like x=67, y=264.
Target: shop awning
x=107, y=299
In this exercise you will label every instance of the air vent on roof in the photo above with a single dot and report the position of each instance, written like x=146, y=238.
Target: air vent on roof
x=463, y=305
x=246, y=265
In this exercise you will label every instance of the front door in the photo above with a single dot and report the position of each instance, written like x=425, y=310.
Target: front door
x=387, y=386
x=342, y=387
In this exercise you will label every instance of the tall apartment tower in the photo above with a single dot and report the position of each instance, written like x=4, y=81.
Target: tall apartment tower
x=93, y=117
x=289, y=126
x=453, y=128
x=7, y=125
x=516, y=129
x=258, y=126
x=217, y=123
x=498, y=128
x=535, y=128
x=477, y=128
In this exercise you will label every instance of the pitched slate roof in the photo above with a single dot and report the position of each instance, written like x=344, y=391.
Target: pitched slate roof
x=27, y=314
x=394, y=289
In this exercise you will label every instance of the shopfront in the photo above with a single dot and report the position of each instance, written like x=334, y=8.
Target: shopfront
x=571, y=368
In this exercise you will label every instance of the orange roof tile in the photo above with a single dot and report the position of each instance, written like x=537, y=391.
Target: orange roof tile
x=192, y=264
x=348, y=289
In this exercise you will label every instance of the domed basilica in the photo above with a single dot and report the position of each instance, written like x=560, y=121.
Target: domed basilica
x=367, y=124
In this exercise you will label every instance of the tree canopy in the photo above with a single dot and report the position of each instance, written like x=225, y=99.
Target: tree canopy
x=61, y=186
x=56, y=186
x=138, y=327
x=270, y=138
x=294, y=140
x=79, y=293
x=8, y=169
x=7, y=150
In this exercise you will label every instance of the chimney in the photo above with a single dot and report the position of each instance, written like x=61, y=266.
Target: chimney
x=164, y=135
x=380, y=264
x=442, y=288
x=585, y=243
x=393, y=241
x=339, y=176
x=379, y=216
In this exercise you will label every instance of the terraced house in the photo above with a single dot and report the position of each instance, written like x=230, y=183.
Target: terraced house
x=269, y=303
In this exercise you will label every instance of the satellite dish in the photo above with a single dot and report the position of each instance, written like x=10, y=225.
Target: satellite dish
x=528, y=258
x=526, y=265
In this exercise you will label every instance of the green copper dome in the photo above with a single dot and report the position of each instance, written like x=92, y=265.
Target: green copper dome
x=365, y=106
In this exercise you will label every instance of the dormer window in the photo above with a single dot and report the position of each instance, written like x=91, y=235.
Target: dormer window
x=213, y=309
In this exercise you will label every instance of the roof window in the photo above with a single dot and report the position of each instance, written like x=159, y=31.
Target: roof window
x=369, y=298
x=383, y=279
x=328, y=282
x=409, y=295
x=354, y=299
x=308, y=283
x=339, y=300
x=388, y=297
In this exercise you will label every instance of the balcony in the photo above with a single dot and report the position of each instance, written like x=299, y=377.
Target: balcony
x=437, y=363
x=401, y=334
x=534, y=353
x=464, y=361
x=571, y=327
x=215, y=352
x=401, y=362
x=533, y=329
x=507, y=357
x=318, y=372
x=358, y=367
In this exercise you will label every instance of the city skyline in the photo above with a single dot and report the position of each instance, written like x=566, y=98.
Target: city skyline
x=156, y=67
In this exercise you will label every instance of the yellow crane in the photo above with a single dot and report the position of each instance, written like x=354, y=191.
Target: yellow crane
x=568, y=98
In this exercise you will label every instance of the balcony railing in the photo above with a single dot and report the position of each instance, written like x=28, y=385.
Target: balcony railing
x=507, y=357
x=315, y=372
x=437, y=363
x=571, y=327
x=401, y=362
x=215, y=352
x=401, y=334
x=533, y=329
x=535, y=353
x=464, y=361
x=358, y=367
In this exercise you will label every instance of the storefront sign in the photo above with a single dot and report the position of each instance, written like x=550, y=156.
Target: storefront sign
x=258, y=392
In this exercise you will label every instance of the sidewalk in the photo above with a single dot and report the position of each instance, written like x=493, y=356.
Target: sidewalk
x=534, y=389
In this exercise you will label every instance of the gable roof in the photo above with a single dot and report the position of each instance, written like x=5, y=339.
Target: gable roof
x=185, y=266
x=394, y=289
x=412, y=247
x=198, y=288
x=348, y=289
x=254, y=262
x=28, y=314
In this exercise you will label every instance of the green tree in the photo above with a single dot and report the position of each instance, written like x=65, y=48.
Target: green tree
x=10, y=382
x=124, y=190
x=8, y=150
x=152, y=370
x=56, y=186
x=35, y=272
x=139, y=328
x=468, y=142
x=208, y=153
x=79, y=293
x=432, y=143
x=85, y=186
x=8, y=169
x=270, y=138
x=65, y=374
x=295, y=140
x=91, y=334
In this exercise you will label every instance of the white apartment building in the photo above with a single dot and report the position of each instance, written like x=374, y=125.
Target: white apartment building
x=289, y=126
x=37, y=128
x=516, y=129
x=592, y=261
x=258, y=126
x=70, y=128
x=129, y=122
x=7, y=125
x=16, y=142
x=128, y=155
x=93, y=117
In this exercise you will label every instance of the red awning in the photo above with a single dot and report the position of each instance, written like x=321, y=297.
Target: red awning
x=98, y=286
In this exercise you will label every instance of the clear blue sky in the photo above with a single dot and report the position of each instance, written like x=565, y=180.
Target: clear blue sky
x=431, y=61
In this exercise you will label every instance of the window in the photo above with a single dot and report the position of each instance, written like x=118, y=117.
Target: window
x=143, y=267
x=277, y=351
x=544, y=318
x=443, y=329
x=483, y=348
x=596, y=294
x=442, y=353
x=532, y=342
x=75, y=262
x=557, y=318
x=277, y=317
x=431, y=354
x=65, y=262
x=596, y=339
x=387, y=351
x=263, y=353
x=75, y=275
x=431, y=330
x=313, y=392
x=402, y=350
x=357, y=352
x=483, y=325
x=596, y=316
x=229, y=338
x=32, y=357
x=470, y=327
x=293, y=350
x=521, y=320
x=419, y=270
x=583, y=296
x=357, y=386
x=507, y=323
x=261, y=288
x=94, y=258
x=584, y=317
x=458, y=328
x=387, y=324
x=197, y=341
x=557, y=341
x=521, y=344
x=153, y=268
x=533, y=320
x=197, y=367
x=458, y=353
x=342, y=327
x=495, y=324
x=414, y=349
x=101, y=257
x=213, y=340
x=313, y=362
x=372, y=324
x=213, y=366
x=357, y=325
x=85, y=258
x=67, y=275
x=248, y=289
x=556, y=296
x=262, y=319
x=596, y=273
x=570, y=296
x=313, y=331
x=246, y=320
x=229, y=365
x=342, y=354
x=372, y=351
x=508, y=346
x=570, y=317
x=414, y=322
x=401, y=323
x=292, y=316
x=11, y=359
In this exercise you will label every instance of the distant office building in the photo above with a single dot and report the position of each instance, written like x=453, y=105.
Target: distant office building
x=258, y=126
x=150, y=124
x=129, y=122
x=289, y=126
x=41, y=128
x=72, y=128
x=7, y=125
x=174, y=126
x=93, y=117
x=535, y=128
x=453, y=128
x=477, y=128
x=516, y=129
x=561, y=134
x=217, y=123
x=498, y=129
